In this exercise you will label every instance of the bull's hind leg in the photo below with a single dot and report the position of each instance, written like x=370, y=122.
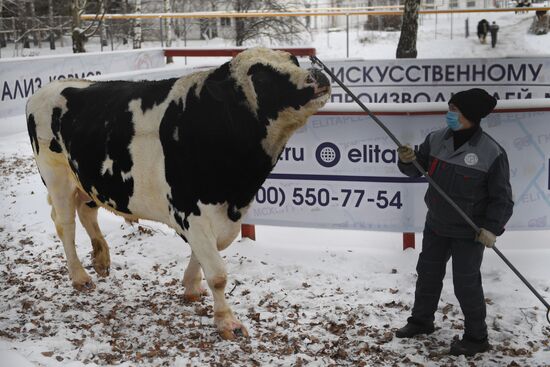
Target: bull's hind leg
x=62, y=197
x=204, y=247
x=192, y=281
x=87, y=213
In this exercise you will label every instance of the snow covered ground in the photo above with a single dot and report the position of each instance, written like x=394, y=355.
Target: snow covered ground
x=314, y=297
x=306, y=296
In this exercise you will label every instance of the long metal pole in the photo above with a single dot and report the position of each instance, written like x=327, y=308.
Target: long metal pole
x=398, y=143
x=315, y=60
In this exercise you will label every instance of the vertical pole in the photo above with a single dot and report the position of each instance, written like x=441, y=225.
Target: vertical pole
x=110, y=32
x=435, y=29
x=451, y=25
x=248, y=231
x=408, y=240
x=185, y=36
x=161, y=33
x=328, y=30
x=347, y=35
x=14, y=36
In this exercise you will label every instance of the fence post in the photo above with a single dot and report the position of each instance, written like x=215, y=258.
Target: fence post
x=408, y=240
x=347, y=35
x=161, y=32
x=248, y=231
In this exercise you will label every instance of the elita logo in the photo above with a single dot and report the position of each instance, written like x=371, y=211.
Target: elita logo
x=327, y=154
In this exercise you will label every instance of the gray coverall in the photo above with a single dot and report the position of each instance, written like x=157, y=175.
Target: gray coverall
x=477, y=177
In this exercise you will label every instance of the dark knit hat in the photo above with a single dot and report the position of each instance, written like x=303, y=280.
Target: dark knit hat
x=474, y=104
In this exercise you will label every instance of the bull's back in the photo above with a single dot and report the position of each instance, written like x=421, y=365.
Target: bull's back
x=40, y=108
x=93, y=125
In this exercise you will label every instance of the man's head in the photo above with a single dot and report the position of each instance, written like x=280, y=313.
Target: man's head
x=472, y=105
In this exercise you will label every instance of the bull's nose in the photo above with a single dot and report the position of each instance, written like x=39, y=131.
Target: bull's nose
x=320, y=78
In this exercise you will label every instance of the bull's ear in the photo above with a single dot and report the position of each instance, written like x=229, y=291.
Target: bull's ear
x=221, y=90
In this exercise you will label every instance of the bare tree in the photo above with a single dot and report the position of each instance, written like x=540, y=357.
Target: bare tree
x=406, y=48
x=2, y=36
x=80, y=35
x=137, y=27
x=50, y=20
x=286, y=29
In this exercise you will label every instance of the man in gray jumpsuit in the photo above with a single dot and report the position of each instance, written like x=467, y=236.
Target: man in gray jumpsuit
x=473, y=170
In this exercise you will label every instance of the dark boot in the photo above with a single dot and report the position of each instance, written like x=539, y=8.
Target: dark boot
x=412, y=329
x=469, y=347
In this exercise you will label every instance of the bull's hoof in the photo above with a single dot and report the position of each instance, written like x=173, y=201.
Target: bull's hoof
x=86, y=286
x=232, y=334
x=229, y=327
x=194, y=296
x=101, y=270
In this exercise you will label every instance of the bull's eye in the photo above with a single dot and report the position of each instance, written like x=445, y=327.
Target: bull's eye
x=262, y=77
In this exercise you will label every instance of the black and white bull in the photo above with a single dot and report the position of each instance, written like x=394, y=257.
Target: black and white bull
x=189, y=152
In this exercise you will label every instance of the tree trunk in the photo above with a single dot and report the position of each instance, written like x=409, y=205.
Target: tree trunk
x=24, y=19
x=2, y=37
x=78, y=41
x=52, y=25
x=77, y=33
x=103, y=29
x=239, y=31
x=137, y=27
x=407, y=40
x=35, y=34
x=168, y=22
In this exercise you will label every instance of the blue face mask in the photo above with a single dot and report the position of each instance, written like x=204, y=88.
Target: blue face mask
x=452, y=121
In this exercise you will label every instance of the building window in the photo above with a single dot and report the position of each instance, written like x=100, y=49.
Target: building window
x=453, y=4
x=225, y=22
x=471, y=3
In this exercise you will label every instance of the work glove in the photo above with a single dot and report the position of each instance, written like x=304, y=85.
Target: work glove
x=406, y=154
x=486, y=238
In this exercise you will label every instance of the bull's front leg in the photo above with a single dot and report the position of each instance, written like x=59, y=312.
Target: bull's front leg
x=192, y=279
x=203, y=244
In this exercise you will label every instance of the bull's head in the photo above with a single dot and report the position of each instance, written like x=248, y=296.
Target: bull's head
x=273, y=82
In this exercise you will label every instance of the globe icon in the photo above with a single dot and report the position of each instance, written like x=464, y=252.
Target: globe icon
x=327, y=154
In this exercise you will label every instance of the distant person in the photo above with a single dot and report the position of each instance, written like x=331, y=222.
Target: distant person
x=540, y=14
x=482, y=29
x=493, y=28
x=520, y=4
x=541, y=23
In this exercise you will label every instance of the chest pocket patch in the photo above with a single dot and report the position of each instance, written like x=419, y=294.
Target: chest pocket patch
x=471, y=159
x=468, y=183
